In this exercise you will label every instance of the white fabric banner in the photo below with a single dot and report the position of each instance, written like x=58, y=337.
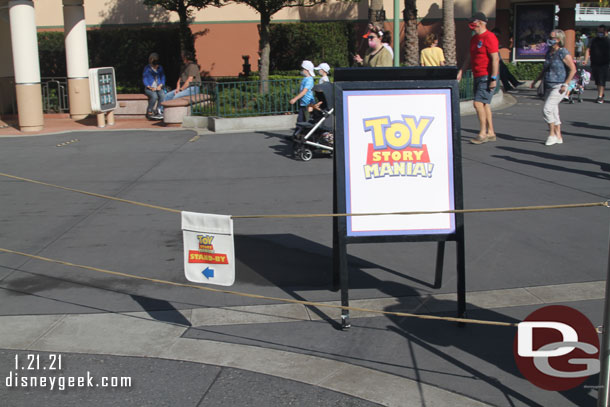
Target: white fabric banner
x=209, y=253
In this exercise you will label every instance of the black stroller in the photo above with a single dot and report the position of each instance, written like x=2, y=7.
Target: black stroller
x=317, y=134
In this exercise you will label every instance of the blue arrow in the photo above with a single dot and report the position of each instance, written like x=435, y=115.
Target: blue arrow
x=208, y=273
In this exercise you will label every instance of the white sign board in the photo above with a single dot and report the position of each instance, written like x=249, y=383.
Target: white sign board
x=398, y=158
x=209, y=253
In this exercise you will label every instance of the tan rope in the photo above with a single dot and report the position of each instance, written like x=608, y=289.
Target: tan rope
x=320, y=215
x=262, y=297
x=90, y=193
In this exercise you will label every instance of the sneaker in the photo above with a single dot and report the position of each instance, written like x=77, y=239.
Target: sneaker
x=600, y=99
x=553, y=140
x=157, y=117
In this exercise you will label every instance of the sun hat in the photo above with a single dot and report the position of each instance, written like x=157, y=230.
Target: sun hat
x=323, y=66
x=308, y=66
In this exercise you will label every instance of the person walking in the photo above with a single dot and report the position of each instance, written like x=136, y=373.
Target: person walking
x=432, y=55
x=557, y=72
x=509, y=82
x=599, y=54
x=484, y=59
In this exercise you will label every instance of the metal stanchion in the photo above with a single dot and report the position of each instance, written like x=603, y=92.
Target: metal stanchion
x=604, y=376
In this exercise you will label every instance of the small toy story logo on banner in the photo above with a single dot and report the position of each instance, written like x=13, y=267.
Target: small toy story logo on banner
x=209, y=254
x=399, y=158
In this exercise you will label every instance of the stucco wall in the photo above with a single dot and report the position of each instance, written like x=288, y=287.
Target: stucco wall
x=227, y=33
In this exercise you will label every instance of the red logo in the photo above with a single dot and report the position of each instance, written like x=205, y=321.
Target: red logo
x=557, y=348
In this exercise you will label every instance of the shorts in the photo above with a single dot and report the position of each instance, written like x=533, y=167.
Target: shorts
x=600, y=74
x=482, y=93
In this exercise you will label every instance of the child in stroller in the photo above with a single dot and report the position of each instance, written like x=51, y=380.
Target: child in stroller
x=316, y=135
x=577, y=84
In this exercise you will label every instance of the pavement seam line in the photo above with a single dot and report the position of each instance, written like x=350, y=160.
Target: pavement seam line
x=50, y=329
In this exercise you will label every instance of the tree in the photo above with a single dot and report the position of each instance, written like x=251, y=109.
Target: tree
x=411, y=37
x=449, y=33
x=267, y=8
x=184, y=8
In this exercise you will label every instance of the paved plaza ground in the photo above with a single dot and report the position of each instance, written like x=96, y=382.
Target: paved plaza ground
x=187, y=347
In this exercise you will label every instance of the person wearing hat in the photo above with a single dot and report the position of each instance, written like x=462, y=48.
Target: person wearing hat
x=153, y=79
x=485, y=65
x=376, y=55
x=305, y=96
x=324, y=70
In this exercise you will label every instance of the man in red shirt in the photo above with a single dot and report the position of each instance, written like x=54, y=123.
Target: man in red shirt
x=485, y=63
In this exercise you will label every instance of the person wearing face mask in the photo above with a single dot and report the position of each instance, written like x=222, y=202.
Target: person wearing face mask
x=599, y=53
x=557, y=72
x=376, y=55
x=153, y=79
x=484, y=59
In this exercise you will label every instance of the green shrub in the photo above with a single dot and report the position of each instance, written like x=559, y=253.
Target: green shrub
x=291, y=43
x=52, y=54
x=525, y=70
x=125, y=49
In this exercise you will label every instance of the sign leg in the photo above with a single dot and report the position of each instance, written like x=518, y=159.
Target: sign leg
x=440, y=258
x=461, y=276
x=344, y=274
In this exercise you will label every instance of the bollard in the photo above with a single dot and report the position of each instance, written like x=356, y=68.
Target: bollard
x=110, y=118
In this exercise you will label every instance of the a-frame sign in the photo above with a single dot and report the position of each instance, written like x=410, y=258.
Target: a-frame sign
x=397, y=149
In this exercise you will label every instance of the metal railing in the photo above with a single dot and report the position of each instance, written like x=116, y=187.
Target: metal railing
x=466, y=86
x=245, y=98
x=54, y=95
x=593, y=10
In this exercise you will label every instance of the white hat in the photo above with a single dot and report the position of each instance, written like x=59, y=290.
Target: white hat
x=323, y=66
x=308, y=66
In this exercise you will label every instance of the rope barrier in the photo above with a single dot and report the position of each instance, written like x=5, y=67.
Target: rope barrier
x=286, y=216
x=320, y=215
x=261, y=297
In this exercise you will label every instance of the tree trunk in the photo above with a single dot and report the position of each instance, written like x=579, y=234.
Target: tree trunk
x=376, y=5
x=186, y=37
x=449, y=32
x=411, y=37
x=264, y=47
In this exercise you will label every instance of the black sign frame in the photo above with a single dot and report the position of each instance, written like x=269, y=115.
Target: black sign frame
x=340, y=232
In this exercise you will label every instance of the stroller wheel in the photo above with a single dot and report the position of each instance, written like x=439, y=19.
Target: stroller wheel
x=306, y=154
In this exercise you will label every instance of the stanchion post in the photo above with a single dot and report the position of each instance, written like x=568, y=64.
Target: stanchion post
x=603, y=397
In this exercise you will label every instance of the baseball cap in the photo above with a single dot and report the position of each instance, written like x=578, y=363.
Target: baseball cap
x=478, y=16
x=308, y=66
x=323, y=66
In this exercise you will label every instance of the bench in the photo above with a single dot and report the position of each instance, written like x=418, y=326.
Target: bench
x=131, y=104
x=174, y=110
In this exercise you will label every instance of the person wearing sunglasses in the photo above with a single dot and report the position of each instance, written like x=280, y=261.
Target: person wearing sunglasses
x=557, y=72
x=376, y=55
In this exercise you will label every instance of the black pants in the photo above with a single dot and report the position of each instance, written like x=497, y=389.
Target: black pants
x=507, y=78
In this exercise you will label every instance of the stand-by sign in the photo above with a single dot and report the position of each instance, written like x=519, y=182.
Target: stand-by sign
x=398, y=158
x=209, y=253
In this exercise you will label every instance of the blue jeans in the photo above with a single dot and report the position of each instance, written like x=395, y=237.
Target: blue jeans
x=154, y=96
x=192, y=90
